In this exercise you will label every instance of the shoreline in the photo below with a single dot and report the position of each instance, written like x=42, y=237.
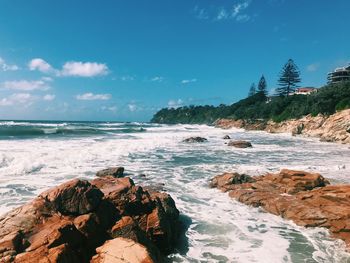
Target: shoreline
x=333, y=128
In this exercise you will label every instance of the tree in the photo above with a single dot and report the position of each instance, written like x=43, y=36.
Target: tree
x=252, y=90
x=262, y=86
x=289, y=79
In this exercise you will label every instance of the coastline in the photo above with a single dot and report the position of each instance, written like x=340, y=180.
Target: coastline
x=333, y=128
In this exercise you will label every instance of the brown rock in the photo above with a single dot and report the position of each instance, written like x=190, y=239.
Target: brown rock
x=68, y=222
x=112, y=171
x=240, y=144
x=75, y=197
x=306, y=198
x=121, y=250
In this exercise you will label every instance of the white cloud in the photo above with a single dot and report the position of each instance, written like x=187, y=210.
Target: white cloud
x=127, y=78
x=175, y=103
x=17, y=98
x=200, y=13
x=26, y=85
x=6, y=67
x=70, y=68
x=110, y=108
x=186, y=81
x=49, y=97
x=132, y=107
x=235, y=12
x=42, y=66
x=84, y=69
x=157, y=79
x=92, y=96
x=313, y=67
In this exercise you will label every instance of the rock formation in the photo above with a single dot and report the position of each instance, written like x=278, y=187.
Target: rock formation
x=195, y=139
x=106, y=220
x=333, y=128
x=306, y=198
x=240, y=144
x=112, y=171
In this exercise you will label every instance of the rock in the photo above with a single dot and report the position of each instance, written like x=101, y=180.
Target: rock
x=240, y=144
x=122, y=250
x=227, y=179
x=226, y=137
x=333, y=128
x=68, y=222
x=75, y=197
x=112, y=171
x=195, y=139
x=306, y=198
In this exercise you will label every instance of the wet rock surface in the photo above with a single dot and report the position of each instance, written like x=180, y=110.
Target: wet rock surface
x=112, y=171
x=305, y=198
x=106, y=220
x=240, y=144
x=195, y=139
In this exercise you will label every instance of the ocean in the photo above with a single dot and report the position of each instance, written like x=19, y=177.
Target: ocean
x=36, y=155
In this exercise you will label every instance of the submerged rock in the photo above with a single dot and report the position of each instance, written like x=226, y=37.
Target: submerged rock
x=240, y=144
x=112, y=171
x=68, y=222
x=306, y=198
x=195, y=139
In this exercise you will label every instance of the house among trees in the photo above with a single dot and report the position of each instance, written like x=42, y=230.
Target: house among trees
x=305, y=91
x=339, y=74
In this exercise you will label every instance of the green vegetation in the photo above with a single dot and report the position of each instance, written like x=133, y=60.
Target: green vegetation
x=289, y=79
x=327, y=100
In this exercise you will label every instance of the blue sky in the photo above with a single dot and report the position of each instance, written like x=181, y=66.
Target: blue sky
x=124, y=60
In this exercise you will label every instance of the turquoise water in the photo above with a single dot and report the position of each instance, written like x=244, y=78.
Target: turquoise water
x=37, y=155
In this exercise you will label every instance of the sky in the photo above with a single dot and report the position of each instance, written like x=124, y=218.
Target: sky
x=121, y=60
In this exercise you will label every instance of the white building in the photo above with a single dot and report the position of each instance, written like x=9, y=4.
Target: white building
x=339, y=74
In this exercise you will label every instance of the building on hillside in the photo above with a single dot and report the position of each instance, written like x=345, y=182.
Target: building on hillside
x=339, y=74
x=305, y=91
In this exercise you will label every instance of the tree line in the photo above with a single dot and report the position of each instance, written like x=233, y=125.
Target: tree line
x=287, y=83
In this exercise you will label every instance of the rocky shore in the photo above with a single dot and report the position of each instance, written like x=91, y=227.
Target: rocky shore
x=307, y=199
x=333, y=128
x=107, y=219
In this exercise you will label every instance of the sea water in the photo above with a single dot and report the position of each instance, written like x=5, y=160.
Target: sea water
x=35, y=156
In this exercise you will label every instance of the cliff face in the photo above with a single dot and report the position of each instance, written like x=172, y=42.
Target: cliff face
x=333, y=128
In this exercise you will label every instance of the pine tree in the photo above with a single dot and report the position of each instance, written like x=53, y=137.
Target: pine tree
x=289, y=79
x=262, y=86
x=252, y=90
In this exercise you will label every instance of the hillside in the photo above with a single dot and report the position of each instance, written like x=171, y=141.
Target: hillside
x=327, y=100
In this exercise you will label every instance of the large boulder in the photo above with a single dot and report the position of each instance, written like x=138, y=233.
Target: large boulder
x=75, y=197
x=240, y=144
x=68, y=222
x=195, y=139
x=122, y=250
x=306, y=198
x=112, y=171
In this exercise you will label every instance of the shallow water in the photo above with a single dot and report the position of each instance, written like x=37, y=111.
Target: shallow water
x=219, y=228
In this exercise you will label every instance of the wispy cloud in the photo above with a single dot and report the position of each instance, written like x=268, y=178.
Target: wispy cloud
x=110, y=108
x=175, y=103
x=187, y=81
x=132, y=107
x=49, y=97
x=17, y=98
x=313, y=67
x=92, y=96
x=127, y=78
x=157, y=79
x=27, y=85
x=70, y=68
x=200, y=13
x=6, y=67
x=236, y=11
